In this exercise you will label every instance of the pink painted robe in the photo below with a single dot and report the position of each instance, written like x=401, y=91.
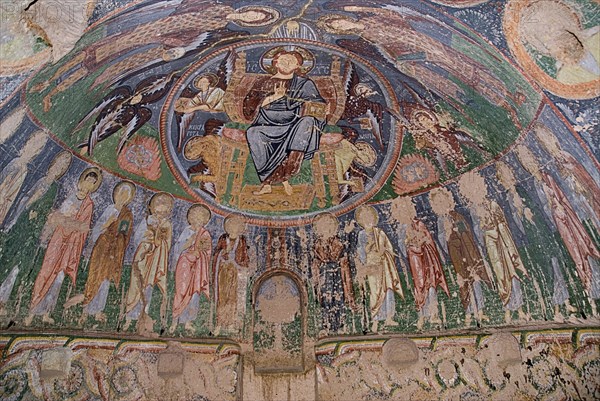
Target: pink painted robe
x=63, y=253
x=424, y=261
x=191, y=273
x=576, y=239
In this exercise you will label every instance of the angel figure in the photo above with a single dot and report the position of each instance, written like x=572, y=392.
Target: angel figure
x=377, y=268
x=190, y=27
x=505, y=260
x=205, y=151
x=149, y=267
x=206, y=95
x=417, y=48
x=349, y=160
x=124, y=109
x=360, y=107
x=192, y=278
x=442, y=143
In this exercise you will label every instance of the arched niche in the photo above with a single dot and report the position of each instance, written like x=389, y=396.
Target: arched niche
x=279, y=322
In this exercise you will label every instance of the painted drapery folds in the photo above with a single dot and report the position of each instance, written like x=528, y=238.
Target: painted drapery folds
x=386, y=167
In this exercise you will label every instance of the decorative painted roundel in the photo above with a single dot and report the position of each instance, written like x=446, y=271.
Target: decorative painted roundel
x=281, y=119
x=224, y=143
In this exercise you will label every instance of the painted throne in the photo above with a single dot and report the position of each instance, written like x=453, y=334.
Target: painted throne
x=230, y=186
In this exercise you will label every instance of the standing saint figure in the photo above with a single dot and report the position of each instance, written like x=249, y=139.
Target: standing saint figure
x=427, y=271
x=505, y=259
x=231, y=270
x=282, y=133
x=377, y=267
x=331, y=272
x=58, y=167
x=69, y=226
x=150, y=262
x=580, y=246
x=192, y=278
x=111, y=236
x=469, y=266
x=572, y=171
x=539, y=190
x=13, y=174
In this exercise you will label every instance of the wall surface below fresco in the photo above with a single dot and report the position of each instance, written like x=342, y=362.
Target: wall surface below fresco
x=300, y=200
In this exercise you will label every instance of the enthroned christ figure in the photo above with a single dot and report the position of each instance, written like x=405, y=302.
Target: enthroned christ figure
x=283, y=133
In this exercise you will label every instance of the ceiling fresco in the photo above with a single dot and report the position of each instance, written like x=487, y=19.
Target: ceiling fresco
x=298, y=170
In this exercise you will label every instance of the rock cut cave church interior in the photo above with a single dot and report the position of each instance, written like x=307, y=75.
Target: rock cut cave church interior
x=299, y=200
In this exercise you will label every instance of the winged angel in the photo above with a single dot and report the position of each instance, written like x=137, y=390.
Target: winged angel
x=205, y=95
x=124, y=109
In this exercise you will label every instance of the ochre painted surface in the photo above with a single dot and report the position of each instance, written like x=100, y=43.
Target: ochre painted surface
x=278, y=175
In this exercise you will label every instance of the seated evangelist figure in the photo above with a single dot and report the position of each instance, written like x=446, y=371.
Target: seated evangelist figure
x=283, y=132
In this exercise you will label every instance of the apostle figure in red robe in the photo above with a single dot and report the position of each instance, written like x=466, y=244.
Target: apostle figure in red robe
x=427, y=272
x=69, y=227
x=191, y=273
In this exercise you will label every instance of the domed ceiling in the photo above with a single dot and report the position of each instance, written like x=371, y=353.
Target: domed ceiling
x=306, y=169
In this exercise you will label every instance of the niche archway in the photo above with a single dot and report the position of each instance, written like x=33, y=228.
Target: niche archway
x=279, y=322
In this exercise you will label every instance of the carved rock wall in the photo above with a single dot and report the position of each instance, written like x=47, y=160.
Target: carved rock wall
x=518, y=365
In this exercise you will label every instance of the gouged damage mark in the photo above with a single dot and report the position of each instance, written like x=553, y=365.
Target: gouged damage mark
x=403, y=210
x=11, y=123
x=474, y=190
x=441, y=201
x=509, y=182
x=326, y=225
x=280, y=306
x=528, y=161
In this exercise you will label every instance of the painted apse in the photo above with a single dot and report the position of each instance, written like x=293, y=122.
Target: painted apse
x=272, y=174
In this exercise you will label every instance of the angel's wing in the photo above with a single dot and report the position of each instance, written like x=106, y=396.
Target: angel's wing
x=114, y=97
x=375, y=118
x=107, y=123
x=140, y=118
x=154, y=88
x=184, y=120
x=226, y=70
x=351, y=79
